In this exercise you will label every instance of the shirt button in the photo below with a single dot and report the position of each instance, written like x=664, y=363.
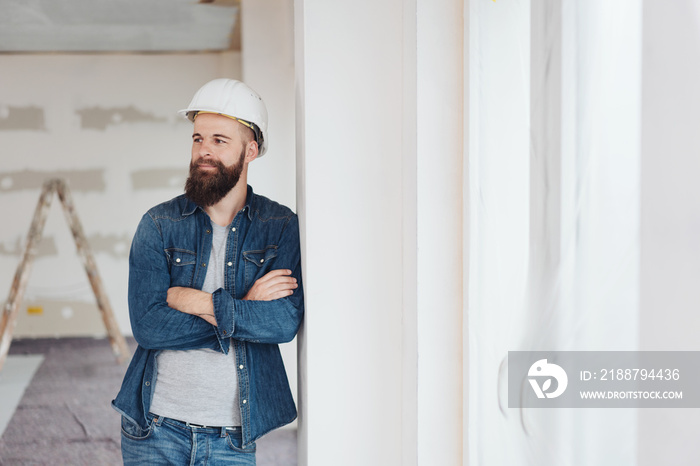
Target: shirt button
x=230, y=264
x=203, y=264
x=208, y=231
x=177, y=260
x=245, y=401
x=233, y=229
x=148, y=384
x=241, y=366
x=262, y=260
x=225, y=332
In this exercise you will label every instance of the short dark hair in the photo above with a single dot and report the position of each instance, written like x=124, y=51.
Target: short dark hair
x=246, y=133
x=250, y=133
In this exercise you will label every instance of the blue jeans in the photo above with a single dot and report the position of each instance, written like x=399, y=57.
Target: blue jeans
x=171, y=442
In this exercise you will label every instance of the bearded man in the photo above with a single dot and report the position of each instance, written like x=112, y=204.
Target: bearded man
x=214, y=287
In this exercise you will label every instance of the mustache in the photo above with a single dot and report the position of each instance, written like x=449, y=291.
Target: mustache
x=215, y=163
x=207, y=162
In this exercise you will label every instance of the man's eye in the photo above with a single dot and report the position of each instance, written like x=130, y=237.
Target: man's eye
x=219, y=141
x=197, y=140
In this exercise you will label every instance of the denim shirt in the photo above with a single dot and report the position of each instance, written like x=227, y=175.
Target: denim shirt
x=171, y=247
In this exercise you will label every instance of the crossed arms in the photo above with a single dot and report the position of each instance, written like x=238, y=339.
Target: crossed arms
x=174, y=317
x=273, y=285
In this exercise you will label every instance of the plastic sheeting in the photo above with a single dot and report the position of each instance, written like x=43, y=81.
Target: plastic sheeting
x=554, y=214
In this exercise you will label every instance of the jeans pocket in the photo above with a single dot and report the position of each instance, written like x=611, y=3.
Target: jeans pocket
x=132, y=430
x=235, y=443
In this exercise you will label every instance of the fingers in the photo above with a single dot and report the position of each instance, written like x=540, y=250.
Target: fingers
x=273, y=285
x=273, y=289
x=283, y=288
x=276, y=280
x=273, y=274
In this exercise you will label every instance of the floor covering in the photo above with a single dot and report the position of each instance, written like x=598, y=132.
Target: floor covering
x=64, y=416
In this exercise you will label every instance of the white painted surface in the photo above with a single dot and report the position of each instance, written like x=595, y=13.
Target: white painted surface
x=380, y=109
x=409, y=394
x=15, y=377
x=440, y=152
x=350, y=102
x=267, y=37
x=670, y=213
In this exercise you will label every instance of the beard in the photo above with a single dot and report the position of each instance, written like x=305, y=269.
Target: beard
x=206, y=189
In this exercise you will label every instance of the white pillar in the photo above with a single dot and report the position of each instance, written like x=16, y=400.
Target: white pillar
x=380, y=148
x=440, y=152
x=349, y=74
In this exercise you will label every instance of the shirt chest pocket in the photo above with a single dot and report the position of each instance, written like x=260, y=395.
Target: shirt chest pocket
x=258, y=263
x=182, y=264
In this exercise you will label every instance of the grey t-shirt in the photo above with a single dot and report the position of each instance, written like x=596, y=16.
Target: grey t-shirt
x=200, y=386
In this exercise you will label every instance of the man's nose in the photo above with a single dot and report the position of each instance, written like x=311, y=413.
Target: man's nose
x=205, y=149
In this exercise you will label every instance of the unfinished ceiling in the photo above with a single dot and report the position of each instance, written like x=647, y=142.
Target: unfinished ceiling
x=117, y=25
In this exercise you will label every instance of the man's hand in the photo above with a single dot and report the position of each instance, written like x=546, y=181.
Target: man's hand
x=190, y=301
x=273, y=285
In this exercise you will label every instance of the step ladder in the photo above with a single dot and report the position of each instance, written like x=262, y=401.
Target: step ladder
x=8, y=321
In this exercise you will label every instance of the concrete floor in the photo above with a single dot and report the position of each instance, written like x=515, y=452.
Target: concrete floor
x=65, y=416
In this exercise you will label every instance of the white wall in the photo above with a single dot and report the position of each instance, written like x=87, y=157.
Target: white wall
x=109, y=124
x=267, y=41
x=670, y=213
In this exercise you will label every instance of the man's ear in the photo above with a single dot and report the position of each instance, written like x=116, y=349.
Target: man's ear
x=251, y=151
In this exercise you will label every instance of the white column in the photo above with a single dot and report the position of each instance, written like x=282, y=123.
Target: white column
x=349, y=75
x=380, y=149
x=440, y=150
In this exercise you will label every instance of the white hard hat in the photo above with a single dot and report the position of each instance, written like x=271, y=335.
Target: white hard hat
x=233, y=99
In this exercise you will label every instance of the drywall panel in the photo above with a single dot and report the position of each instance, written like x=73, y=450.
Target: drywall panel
x=108, y=124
